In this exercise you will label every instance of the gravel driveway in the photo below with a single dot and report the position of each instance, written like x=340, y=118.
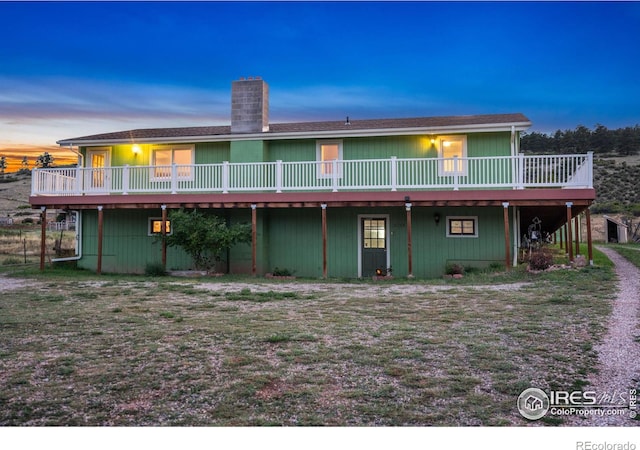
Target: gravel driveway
x=619, y=352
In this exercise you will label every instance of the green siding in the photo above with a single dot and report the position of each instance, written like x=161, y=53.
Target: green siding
x=248, y=151
x=212, y=152
x=292, y=239
x=292, y=150
x=295, y=238
x=126, y=248
x=488, y=144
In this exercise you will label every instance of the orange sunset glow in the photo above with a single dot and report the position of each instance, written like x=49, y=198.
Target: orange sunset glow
x=14, y=154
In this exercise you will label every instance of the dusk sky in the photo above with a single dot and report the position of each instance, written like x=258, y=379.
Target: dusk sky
x=79, y=68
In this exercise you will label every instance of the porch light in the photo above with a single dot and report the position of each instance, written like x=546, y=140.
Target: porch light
x=136, y=149
x=433, y=139
x=436, y=218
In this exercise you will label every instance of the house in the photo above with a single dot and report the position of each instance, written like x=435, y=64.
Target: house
x=337, y=198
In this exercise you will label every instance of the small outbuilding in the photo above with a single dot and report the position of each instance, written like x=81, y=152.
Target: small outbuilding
x=616, y=231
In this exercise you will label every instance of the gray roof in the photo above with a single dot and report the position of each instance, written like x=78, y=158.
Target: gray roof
x=277, y=129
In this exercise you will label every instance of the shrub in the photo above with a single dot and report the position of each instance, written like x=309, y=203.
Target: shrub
x=27, y=220
x=10, y=261
x=540, y=259
x=454, y=269
x=277, y=272
x=154, y=270
x=205, y=237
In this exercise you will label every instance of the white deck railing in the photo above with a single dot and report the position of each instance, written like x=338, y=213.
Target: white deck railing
x=507, y=172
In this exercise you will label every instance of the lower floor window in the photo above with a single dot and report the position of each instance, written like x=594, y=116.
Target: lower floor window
x=155, y=226
x=462, y=226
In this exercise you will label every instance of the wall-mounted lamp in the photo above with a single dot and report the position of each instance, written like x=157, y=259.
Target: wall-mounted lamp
x=136, y=149
x=436, y=218
x=433, y=139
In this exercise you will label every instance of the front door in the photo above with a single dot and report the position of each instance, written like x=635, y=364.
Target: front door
x=374, y=245
x=98, y=176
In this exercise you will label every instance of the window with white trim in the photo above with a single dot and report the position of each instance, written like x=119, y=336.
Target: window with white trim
x=326, y=153
x=453, y=150
x=162, y=158
x=155, y=226
x=462, y=226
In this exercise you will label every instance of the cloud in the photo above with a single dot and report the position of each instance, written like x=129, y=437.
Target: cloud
x=74, y=98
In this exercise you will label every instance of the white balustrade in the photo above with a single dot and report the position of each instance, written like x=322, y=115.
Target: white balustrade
x=519, y=172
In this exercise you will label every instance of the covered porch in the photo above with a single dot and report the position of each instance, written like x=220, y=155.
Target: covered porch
x=556, y=208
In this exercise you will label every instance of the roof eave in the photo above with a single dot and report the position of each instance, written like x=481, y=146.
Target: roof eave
x=492, y=127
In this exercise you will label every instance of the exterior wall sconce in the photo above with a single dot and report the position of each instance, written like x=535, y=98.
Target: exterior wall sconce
x=436, y=218
x=433, y=139
x=136, y=149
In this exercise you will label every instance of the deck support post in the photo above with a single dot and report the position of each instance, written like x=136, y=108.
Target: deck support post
x=560, y=237
x=507, y=237
x=577, y=230
x=254, y=238
x=100, y=232
x=43, y=235
x=324, y=240
x=569, y=237
x=164, y=236
x=589, y=241
x=407, y=206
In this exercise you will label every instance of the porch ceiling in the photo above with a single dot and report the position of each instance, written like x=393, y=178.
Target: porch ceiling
x=532, y=201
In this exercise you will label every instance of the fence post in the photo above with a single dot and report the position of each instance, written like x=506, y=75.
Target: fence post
x=79, y=186
x=394, y=173
x=520, y=170
x=125, y=180
x=590, y=169
x=174, y=178
x=225, y=177
x=334, y=175
x=279, y=176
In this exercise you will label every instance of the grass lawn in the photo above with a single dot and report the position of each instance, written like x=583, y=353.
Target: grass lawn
x=80, y=349
x=630, y=252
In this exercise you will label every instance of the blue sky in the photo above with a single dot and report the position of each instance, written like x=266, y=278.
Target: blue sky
x=78, y=68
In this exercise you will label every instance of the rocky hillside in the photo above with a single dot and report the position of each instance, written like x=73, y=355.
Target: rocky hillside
x=14, y=198
x=617, y=184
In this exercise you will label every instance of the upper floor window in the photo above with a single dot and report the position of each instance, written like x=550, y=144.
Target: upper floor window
x=326, y=153
x=162, y=158
x=453, y=150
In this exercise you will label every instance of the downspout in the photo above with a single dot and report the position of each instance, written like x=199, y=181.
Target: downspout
x=78, y=218
x=80, y=155
x=78, y=241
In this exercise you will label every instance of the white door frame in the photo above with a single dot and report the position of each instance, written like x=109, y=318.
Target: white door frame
x=106, y=183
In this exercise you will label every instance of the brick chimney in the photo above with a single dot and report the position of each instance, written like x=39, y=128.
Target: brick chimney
x=249, y=105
